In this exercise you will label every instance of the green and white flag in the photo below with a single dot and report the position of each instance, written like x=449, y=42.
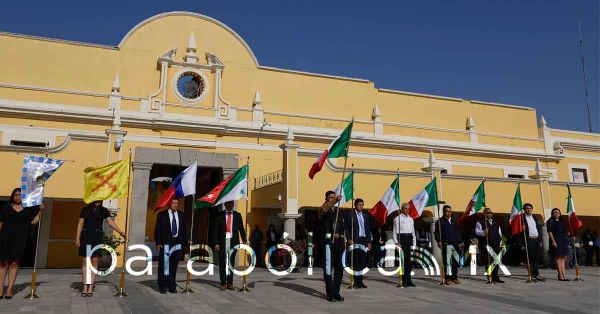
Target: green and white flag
x=231, y=189
x=346, y=189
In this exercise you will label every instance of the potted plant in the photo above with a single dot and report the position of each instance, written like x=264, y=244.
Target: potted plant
x=105, y=258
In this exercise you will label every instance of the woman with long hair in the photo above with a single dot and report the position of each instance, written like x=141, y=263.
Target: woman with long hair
x=89, y=235
x=559, y=239
x=15, y=221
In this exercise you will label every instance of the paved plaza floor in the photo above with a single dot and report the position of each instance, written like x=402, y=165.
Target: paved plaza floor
x=301, y=293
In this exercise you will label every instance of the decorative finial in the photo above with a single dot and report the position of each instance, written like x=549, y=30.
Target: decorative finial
x=257, y=99
x=543, y=122
x=376, y=113
x=290, y=136
x=116, y=86
x=470, y=123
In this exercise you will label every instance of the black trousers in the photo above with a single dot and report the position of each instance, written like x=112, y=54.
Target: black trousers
x=168, y=281
x=406, y=241
x=589, y=255
x=223, y=276
x=484, y=259
x=333, y=277
x=360, y=259
x=533, y=248
x=453, y=262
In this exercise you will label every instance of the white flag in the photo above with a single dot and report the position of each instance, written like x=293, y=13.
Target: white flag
x=36, y=171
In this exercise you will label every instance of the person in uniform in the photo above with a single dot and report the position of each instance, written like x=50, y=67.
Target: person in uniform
x=229, y=228
x=334, y=246
x=449, y=237
x=489, y=235
x=358, y=231
x=404, y=234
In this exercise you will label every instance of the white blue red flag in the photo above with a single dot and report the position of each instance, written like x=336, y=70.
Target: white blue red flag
x=183, y=185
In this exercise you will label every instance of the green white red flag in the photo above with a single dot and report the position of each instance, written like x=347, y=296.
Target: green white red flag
x=574, y=222
x=389, y=203
x=232, y=188
x=346, y=189
x=515, y=220
x=337, y=148
x=476, y=203
x=427, y=197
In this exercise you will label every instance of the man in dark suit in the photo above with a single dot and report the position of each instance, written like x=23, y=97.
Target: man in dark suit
x=229, y=228
x=533, y=236
x=170, y=236
x=333, y=246
x=449, y=238
x=358, y=231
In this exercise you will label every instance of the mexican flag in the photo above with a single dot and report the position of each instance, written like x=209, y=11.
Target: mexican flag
x=574, y=222
x=231, y=189
x=515, y=220
x=389, y=203
x=476, y=204
x=346, y=189
x=337, y=148
x=427, y=197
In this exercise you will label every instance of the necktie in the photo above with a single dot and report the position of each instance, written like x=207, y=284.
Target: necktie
x=361, y=227
x=229, y=222
x=173, y=225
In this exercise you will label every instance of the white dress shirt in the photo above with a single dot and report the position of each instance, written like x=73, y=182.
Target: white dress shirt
x=404, y=224
x=173, y=215
x=479, y=229
x=361, y=224
x=533, y=232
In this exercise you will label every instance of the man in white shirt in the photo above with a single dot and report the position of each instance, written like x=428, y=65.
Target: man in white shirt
x=404, y=233
x=533, y=235
x=490, y=235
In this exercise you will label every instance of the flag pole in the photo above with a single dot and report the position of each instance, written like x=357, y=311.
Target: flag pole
x=525, y=239
x=33, y=291
x=443, y=270
x=121, y=292
x=351, y=285
x=244, y=287
x=342, y=182
x=188, y=277
x=577, y=277
x=401, y=270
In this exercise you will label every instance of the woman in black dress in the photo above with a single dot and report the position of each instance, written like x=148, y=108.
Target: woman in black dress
x=15, y=221
x=557, y=231
x=90, y=234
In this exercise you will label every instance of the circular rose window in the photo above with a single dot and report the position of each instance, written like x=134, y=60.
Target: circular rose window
x=190, y=86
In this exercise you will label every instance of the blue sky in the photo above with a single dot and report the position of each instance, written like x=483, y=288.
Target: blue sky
x=515, y=52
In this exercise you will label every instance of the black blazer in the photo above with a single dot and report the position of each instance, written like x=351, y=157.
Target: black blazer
x=450, y=232
x=526, y=227
x=352, y=223
x=237, y=229
x=162, y=230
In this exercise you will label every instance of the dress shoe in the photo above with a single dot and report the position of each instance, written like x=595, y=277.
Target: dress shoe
x=564, y=279
x=339, y=298
x=410, y=284
x=539, y=278
x=173, y=290
x=362, y=285
x=8, y=297
x=498, y=280
x=230, y=287
x=456, y=282
x=331, y=299
x=163, y=291
x=1, y=296
x=223, y=287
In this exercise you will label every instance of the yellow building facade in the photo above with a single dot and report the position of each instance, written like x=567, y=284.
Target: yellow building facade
x=181, y=87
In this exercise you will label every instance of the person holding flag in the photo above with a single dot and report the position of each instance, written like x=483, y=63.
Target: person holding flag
x=450, y=240
x=533, y=235
x=559, y=239
x=170, y=233
x=229, y=226
x=15, y=220
x=333, y=246
x=490, y=237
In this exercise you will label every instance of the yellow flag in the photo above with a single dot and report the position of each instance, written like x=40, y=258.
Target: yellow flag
x=106, y=182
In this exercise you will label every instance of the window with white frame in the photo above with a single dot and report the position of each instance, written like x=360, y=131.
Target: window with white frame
x=579, y=175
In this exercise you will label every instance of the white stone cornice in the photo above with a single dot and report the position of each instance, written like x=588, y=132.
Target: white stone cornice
x=245, y=128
